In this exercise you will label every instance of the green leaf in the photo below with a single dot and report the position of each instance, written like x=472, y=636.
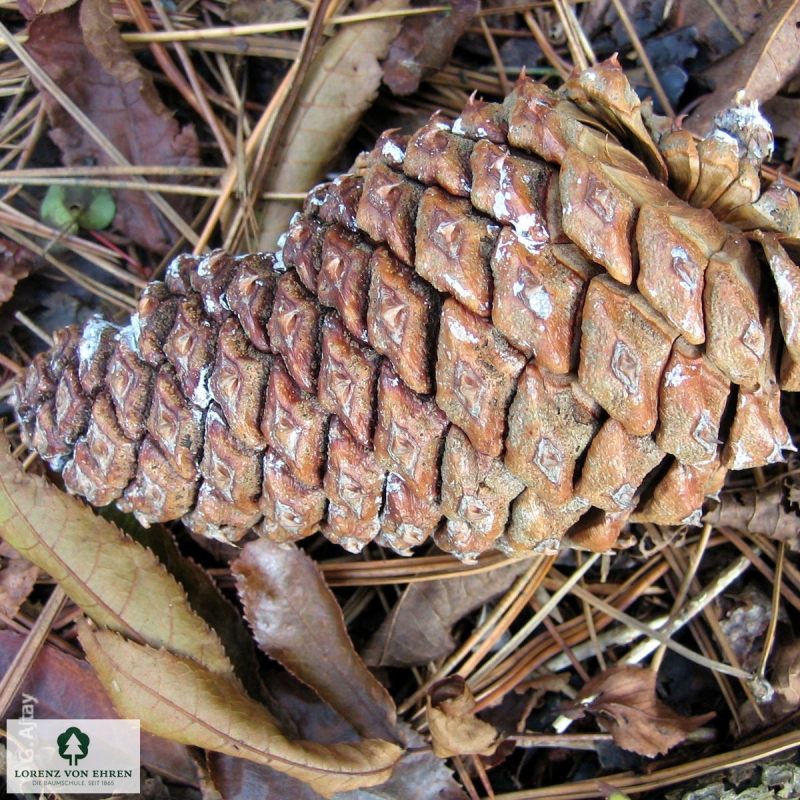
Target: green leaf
x=70, y=207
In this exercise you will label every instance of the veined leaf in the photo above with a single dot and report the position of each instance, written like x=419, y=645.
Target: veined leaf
x=117, y=582
x=297, y=621
x=177, y=698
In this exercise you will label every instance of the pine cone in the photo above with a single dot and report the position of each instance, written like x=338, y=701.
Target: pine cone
x=542, y=320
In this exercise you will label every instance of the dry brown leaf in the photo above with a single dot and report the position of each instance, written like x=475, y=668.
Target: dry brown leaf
x=81, y=49
x=418, y=628
x=761, y=66
x=33, y=7
x=178, y=699
x=340, y=86
x=17, y=577
x=760, y=510
x=113, y=579
x=15, y=264
x=296, y=620
x=623, y=698
x=455, y=730
x=66, y=688
x=419, y=775
x=425, y=44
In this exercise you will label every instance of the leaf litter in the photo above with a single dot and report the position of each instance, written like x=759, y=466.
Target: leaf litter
x=751, y=513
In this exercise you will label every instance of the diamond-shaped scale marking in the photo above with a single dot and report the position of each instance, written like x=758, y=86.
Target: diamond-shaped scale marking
x=45, y=438
x=406, y=520
x=94, y=349
x=482, y=120
x=516, y=191
x=409, y=434
x=337, y=202
x=787, y=281
x=389, y=149
x=344, y=278
x=691, y=401
x=130, y=383
x=295, y=427
x=157, y=493
x=538, y=293
x=476, y=375
x=153, y=320
x=175, y=424
x=293, y=328
x=388, y=210
x=238, y=382
x=354, y=485
x=250, y=295
x=434, y=156
x=291, y=509
x=453, y=249
x=190, y=349
x=671, y=272
x=72, y=408
x=550, y=423
x=33, y=388
x=758, y=433
x=178, y=276
x=476, y=493
x=735, y=337
x=625, y=345
x=678, y=497
x=228, y=496
x=616, y=465
x=402, y=319
x=210, y=279
x=347, y=375
x=104, y=459
x=532, y=123
x=537, y=526
x=302, y=248
x=597, y=216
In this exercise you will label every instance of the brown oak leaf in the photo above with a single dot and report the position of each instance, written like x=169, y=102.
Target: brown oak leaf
x=623, y=699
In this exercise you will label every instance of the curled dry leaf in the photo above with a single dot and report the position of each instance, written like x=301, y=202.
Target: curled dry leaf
x=179, y=699
x=418, y=628
x=623, y=699
x=340, y=86
x=15, y=264
x=81, y=49
x=297, y=621
x=425, y=44
x=455, y=730
x=65, y=687
x=785, y=700
x=113, y=579
x=761, y=66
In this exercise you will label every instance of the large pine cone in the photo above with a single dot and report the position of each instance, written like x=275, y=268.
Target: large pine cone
x=543, y=319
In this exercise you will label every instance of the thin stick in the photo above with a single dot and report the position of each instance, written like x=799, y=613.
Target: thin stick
x=769, y=641
x=644, y=58
x=229, y=31
x=33, y=327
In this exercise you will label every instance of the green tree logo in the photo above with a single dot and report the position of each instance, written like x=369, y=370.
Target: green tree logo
x=73, y=745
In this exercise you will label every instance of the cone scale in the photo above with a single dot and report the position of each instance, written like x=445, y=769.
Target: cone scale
x=522, y=329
